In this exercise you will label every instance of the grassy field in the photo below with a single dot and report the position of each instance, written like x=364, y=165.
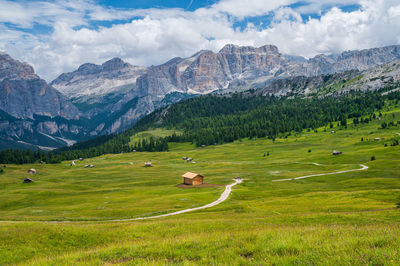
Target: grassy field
x=344, y=219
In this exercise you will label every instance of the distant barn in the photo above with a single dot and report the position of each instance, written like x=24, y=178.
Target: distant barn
x=28, y=180
x=335, y=152
x=192, y=179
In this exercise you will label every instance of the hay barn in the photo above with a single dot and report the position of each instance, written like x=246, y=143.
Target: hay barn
x=192, y=179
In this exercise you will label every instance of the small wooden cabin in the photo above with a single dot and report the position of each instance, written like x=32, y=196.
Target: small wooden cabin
x=28, y=180
x=32, y=171
x=335, y=152
x=192, y=179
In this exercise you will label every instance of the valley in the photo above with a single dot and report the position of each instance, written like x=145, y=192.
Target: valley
x=218, y=132
x=345, y=218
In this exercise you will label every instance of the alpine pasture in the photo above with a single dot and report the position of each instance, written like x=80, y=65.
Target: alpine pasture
x=65, y=217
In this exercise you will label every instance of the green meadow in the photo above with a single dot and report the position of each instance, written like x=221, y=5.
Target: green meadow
x=155, y=133
x=64, y=217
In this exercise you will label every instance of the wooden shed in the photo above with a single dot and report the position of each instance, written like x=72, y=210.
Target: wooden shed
x=192, y=179
x=335, y=152
x=32, y=171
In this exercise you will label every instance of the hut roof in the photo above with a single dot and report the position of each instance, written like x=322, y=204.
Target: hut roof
x=190, y=175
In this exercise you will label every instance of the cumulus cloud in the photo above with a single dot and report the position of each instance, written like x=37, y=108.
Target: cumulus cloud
x=153, y=36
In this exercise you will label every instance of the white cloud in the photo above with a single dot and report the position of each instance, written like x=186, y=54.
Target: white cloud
x=241, y=9
x=160, y=34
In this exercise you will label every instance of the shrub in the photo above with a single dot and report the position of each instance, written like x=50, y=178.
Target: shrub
x=373, y=158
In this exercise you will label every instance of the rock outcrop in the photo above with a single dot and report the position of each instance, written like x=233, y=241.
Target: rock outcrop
x=386, y=76
x=33, y=112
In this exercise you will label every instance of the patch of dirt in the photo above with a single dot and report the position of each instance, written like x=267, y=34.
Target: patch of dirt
x=205, y=185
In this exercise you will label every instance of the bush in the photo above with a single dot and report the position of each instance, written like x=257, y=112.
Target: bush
x=309, y=150
x=373, y=158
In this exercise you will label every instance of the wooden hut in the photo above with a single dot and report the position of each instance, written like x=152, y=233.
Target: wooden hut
x=28, y=180
x=192, y=179
x=335, y=152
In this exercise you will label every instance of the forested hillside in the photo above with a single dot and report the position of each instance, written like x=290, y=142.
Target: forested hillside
x=213, y=119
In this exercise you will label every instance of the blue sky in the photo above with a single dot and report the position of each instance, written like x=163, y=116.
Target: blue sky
x=58, y=36
x=189, y=5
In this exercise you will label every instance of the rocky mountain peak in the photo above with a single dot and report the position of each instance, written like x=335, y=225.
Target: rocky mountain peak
x=269, y=49
x=228, y=48
x=15, y=70
x=114, y=64
x=23, y=94
x=233, y=49
x=93, y=81
x=89, y=68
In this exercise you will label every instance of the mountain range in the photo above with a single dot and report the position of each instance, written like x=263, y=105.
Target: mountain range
x=109, y=98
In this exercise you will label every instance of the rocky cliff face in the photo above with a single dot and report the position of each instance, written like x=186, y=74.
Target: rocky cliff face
x=206, y=71
x=349, y=60
x=235, y=66
x=14, y=70
x=23, y=94
x=32, y=111
x=386, y=76
x=97, y=80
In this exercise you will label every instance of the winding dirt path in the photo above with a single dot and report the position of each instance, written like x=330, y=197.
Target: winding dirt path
x=364, y=167
x=222, y=198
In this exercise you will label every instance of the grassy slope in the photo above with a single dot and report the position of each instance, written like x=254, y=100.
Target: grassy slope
x=348, y=218
x=155, y=133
